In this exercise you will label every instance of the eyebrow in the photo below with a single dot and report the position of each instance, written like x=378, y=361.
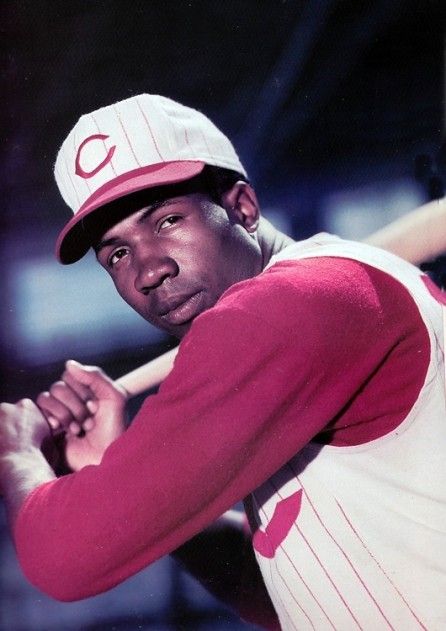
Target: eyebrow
x=152, y=207
x=103, y=243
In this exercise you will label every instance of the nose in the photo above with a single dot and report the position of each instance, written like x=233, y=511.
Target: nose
x=152, y=270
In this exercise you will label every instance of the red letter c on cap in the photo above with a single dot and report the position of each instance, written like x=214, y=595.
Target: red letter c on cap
x=86, y=174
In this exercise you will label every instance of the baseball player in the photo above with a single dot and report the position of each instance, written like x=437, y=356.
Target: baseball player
x=309, y=382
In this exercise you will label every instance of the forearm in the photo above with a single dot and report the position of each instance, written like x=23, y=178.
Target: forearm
x=21, y=473
x=205, y=441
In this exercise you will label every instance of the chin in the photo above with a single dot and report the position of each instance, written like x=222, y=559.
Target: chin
x=178, y=331
x=182, y=330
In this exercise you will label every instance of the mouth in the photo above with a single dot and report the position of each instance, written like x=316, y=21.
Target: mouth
x=185, y=310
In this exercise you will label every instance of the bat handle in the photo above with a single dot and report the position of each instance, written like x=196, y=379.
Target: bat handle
x=149, y=375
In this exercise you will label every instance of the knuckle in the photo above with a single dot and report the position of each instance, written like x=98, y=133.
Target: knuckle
x=57, y=388
x=42, y=398
x=26, y=403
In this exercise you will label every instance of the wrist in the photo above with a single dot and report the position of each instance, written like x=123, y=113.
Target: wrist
x=22, y=471
x=19, y=457
x=17, y=451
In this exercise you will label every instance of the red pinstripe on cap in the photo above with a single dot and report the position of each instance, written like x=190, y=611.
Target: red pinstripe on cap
x=141, y=142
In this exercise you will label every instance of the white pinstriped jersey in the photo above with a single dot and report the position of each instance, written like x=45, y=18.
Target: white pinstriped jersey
x=368, y=547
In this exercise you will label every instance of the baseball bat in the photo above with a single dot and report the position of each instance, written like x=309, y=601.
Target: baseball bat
x=418, y=237
x=148, y=375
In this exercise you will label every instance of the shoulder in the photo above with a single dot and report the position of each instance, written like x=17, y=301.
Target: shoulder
x=323, y=287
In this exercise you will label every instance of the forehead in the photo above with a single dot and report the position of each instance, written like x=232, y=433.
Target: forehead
x=118, y=211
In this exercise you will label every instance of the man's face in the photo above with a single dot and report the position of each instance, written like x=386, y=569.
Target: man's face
x=172, y=260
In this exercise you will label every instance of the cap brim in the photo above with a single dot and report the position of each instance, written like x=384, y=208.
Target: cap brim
x=73, y=241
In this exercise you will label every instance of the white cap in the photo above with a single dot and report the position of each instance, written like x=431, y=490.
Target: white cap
x=144, y=141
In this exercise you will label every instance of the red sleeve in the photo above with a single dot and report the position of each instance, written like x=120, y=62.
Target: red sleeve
x=260, y=374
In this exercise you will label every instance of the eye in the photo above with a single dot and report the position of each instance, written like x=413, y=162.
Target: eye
x=116, y=256
x=168, y=221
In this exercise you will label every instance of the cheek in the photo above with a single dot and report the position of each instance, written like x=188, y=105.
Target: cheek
x=203, y=264
x=125, y=289
x=233, y=257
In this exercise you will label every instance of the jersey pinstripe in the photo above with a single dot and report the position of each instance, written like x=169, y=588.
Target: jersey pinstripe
x=367, y=549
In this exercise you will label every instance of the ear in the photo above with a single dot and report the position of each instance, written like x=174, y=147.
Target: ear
x=242, y=206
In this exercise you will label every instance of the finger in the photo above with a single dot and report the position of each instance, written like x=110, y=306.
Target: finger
x=53, y=422
x=82, y=391
x=75, y=429
x=62, y=392
x=93, y=406
x=54, y=407
x=88, y=424
x=99, y=383
x=51, y=406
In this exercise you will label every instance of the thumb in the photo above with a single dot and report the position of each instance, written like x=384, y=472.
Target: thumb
x=99, y=383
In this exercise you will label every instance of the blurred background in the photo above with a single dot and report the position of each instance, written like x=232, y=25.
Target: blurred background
x=337, y=111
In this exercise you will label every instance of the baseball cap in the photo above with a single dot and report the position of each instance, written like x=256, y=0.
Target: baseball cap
x=141, y=142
